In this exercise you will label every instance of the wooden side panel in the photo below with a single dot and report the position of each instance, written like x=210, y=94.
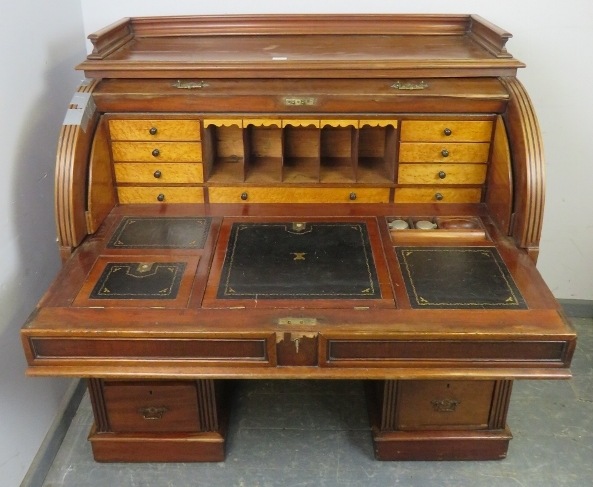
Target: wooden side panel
x=98, y=404
x=527, y=156
x=499, y=195
x=101, y=192
x=71, y=178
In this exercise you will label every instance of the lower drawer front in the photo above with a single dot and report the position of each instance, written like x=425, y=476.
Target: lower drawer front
x=160, y=194
x=444, y=404
x=441, y=173
x=297, y=195
x=136, y=407
x=163, y=173
x=438, y=195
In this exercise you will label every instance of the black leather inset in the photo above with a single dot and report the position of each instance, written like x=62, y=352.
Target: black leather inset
x=299, y=261
x=139, y=280
x=458, y=278
x=160, y=232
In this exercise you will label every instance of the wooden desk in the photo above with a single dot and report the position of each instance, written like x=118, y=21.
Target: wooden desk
x=228, y=197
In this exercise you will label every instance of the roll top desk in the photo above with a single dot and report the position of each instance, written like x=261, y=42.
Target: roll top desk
x=312, y=197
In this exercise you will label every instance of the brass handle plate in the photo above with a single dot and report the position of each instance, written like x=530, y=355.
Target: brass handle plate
x=445, y=405
x=152, y=413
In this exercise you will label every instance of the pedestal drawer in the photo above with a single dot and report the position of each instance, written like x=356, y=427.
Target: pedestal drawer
x=151, y=406
x=437, y=404
x=440, y=152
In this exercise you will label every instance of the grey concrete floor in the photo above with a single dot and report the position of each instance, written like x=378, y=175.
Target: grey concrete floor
x=315, y=433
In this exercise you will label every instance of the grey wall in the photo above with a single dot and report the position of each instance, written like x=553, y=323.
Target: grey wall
x=41, y=42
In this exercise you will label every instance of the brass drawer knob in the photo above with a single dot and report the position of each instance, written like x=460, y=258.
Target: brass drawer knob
x=152, y=131
x=438, y=196
x=157, y=174
x=161, y=197
x=353, y=196
x=442, y=174
x=447, y=132
x=244, y=196
x=445, y=153
x=156, y=152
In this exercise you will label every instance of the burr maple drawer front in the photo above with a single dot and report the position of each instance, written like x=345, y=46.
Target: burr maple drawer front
x=441, y=173
x=445, y=131
x=157, y=151
x=443, y=405
x=160, y=194
x=297, y=195
x=441, y=152
x=154, y=129
x=438, y=195
x=136, y=407
x=158, y=173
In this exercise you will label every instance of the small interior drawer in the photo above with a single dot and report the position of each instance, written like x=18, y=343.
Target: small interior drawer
x=157, y=151
x=297, y=195
x=441, y=152
x=446, y=131
x=135, y=407
x=160, y=194
x=444, y=404
x=154, y=129
x=437, y=194
x=441, y=173
x=158, y=173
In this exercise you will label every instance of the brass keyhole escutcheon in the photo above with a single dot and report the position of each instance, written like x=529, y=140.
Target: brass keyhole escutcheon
x=152, y=412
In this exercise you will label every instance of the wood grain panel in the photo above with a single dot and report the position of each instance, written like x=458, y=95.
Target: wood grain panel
x=434, y=130
x=499, y=192
x=435, y=152
x=297, y=195
x=454, y=173
x=150, y=194
x=428, y=195
x=170, y=172
x=167, y=151
x=165, y=129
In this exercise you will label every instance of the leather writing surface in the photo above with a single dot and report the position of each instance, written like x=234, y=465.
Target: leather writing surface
x=160, y=232
x=299, y=261
x=458, y=278
x=139, y=280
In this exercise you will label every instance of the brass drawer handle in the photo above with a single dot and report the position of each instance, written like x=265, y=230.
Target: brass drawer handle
x=156, y=152
x=157, y=174
x=161, y=197
x=445, y=405
x=152, y=131
x=445, y=153
x=438, y=197
x=353, y=196
x=152, y=413
x=244, y=196
x=442, y=174
x=447, y=132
